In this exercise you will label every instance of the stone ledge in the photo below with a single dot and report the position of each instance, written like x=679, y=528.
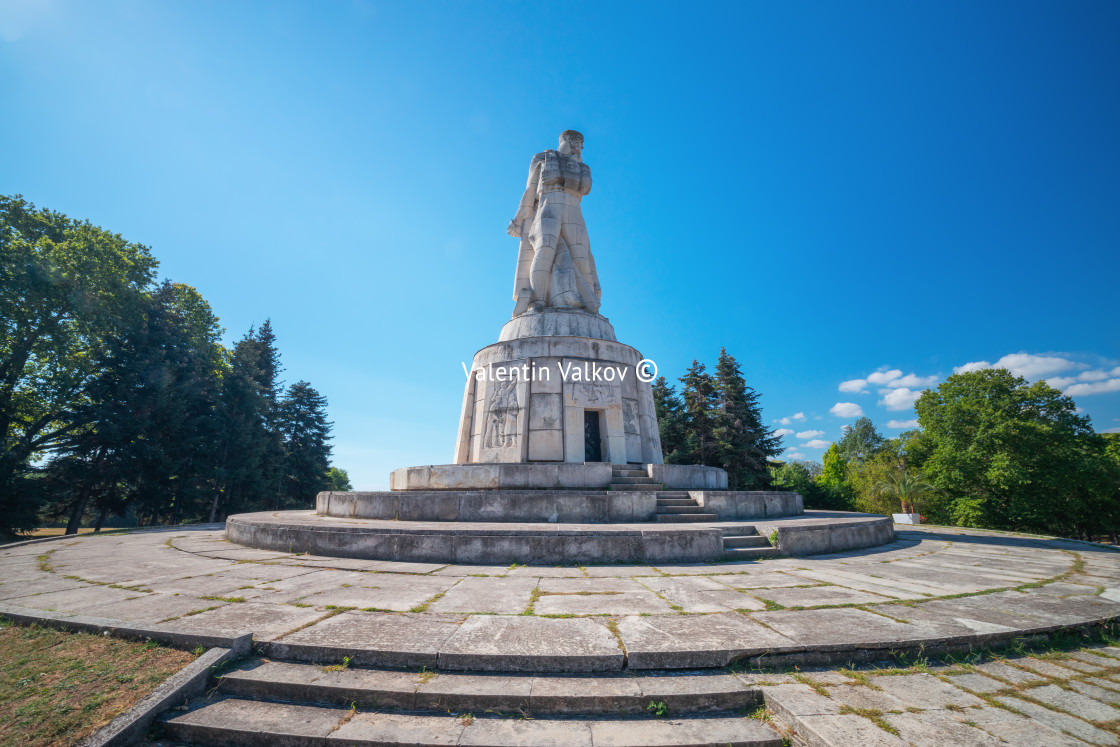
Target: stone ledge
x=548, y=506
x=177, y=636
x=495, y=476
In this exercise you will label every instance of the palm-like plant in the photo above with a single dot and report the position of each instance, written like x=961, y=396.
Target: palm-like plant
x=907, y=488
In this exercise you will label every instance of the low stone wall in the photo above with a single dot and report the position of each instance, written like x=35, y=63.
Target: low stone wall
x=749, y=504
x=831, y=537
x=553, y=506
x=688, y=476
x=478, y=546
x=535, y=476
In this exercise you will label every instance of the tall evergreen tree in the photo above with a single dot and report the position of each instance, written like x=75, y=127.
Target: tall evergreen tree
x=671, y=422
x=249, y=467
x=700, y=408
x=150, y=413
x=743, y=443
x=305, y=432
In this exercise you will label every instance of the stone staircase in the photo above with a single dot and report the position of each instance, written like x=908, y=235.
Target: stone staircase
x=627, y=477
x=264, y=702
x=674, y=506
x=745, y=543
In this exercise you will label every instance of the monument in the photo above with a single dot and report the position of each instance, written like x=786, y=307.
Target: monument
x=557, y=456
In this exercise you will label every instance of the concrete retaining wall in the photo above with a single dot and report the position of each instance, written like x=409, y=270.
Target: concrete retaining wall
x=749, y=504
x=483, y=547
x=817, y=539
x=563, y=476
x=688, y=476
x=553, y=506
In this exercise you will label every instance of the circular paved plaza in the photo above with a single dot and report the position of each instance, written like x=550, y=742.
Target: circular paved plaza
x=931, y=589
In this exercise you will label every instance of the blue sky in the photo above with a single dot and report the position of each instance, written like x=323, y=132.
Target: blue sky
x=854, y=198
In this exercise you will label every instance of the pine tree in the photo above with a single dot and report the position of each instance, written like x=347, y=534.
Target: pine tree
x=671, y=424
x=699, y=395
x=250, y=462
x=744, y=444
x=305, y=432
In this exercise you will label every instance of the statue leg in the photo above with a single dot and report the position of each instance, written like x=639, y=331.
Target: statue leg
x=544, y=234
x=574, y=234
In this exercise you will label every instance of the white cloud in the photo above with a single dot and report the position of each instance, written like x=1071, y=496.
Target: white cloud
x=810, y=434
x=1061, y=382
x=898, y=399
x=791, y=418
x=1023, y=364
x=799, y=416
x=883, y=377
x=784, y=432
x=912, y=381
x=892, y=379
x=970, y=367
x=817, y=444
x=846, y=410
x=782, y=421
x=793, y=455
x=1096, y=387
x=902, y=424
x=1034, y=366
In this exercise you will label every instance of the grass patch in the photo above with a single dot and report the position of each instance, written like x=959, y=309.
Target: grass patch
x=873, y=715
x=233, y=600
x=58, y=688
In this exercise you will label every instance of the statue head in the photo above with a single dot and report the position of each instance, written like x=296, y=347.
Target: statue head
x=571, y=142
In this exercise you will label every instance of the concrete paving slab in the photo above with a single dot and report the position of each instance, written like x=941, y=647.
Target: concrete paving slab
x=698, y=692
x=573, y=694
x=977, y=683
x=267, y=621
x=474, y=693
x=924, y=691
x=683, y=733
x=531, y=644
x=845, y=730
x=498, y=595
x=1045, y=668
x=382, y=639
x=819, y=595
x=398, y=729
x=694, y=641
x=382, y=592
x=937, y=729
x=861, y=696
x=610, y=603
x=241, y=722
x=1077, y=704
x=473, y=570
x=151, y=608
x=1008, y=673
x=1059, y=721
x=491, y=732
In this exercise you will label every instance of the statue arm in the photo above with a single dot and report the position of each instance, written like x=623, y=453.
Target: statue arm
x=528, y=204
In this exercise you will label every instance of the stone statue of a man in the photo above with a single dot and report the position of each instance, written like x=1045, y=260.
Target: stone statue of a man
x=555, y=268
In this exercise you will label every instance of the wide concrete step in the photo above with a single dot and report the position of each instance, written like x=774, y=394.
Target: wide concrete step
x=680, y=518
x=637, y=480
x=673, y=494
x=236, y=721
x=685, y=509
x=749, y=553
x=627, y=472
x=648, y=487
x=676, y=502
x=597, y=695
x=752, y=540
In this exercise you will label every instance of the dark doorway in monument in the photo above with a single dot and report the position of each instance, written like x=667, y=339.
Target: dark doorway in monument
x=592, y=436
